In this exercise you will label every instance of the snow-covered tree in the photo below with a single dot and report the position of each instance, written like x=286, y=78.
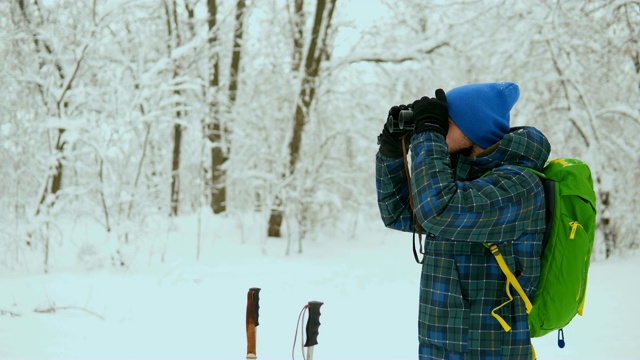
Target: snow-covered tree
x=122, y=113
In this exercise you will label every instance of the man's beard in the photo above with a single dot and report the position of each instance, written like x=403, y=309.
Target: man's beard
x=465, y=151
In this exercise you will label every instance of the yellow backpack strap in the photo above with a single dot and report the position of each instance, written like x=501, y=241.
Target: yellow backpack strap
x=581, y=308
x=511, y=280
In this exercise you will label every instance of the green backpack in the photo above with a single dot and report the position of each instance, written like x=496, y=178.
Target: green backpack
x=568, y=240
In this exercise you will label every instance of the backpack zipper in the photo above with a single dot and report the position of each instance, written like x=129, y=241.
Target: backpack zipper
x=574, y=226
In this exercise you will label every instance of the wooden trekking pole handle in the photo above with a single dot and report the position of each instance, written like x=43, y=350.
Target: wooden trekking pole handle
x=253, y=306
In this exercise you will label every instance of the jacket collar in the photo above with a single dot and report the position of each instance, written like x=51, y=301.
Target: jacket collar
x=521, y=146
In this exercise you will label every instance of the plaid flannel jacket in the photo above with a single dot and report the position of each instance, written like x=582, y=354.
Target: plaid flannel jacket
x=484, y=199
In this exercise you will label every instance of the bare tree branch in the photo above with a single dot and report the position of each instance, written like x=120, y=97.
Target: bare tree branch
x=52, y=309
x=619, y=111
x=398, y=60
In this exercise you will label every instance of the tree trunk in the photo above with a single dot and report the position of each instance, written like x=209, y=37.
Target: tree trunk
x=313, y=60
x=298, y=34
x=237, y=51
x=174, y=41
x=217, y=132
x=610, y=238
x=53, y=183
x=214, y=129
x=175, y=168
x=276, y=216
x=275, y=223
x=54, y=179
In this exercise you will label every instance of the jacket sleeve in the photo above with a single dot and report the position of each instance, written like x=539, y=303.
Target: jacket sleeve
x=392, y=189
x=493, y=208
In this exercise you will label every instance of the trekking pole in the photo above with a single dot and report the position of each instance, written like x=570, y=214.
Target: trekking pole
x=252, y=321
x=312, y=327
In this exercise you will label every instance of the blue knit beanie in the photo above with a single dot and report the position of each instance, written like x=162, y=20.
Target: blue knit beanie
x=481, y=110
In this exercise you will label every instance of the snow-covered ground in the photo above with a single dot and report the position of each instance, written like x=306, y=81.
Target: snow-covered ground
x=188, y=309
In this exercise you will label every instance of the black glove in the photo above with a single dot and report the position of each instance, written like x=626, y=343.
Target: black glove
x=431, y=114
x=391, y=142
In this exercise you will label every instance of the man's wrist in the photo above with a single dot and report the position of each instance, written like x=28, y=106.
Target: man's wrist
x=429, y=126
x=391, y=152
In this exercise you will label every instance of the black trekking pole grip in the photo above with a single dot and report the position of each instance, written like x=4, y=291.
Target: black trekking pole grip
x=313, y=323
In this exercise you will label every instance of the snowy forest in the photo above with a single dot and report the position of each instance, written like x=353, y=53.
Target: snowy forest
x=123, y=116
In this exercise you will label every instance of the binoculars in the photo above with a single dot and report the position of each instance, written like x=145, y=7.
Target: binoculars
x=403, y=122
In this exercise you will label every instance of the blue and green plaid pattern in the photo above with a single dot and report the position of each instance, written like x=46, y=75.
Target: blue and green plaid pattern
x=459, y=210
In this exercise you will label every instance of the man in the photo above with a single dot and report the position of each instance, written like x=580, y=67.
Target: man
x=468, y=187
